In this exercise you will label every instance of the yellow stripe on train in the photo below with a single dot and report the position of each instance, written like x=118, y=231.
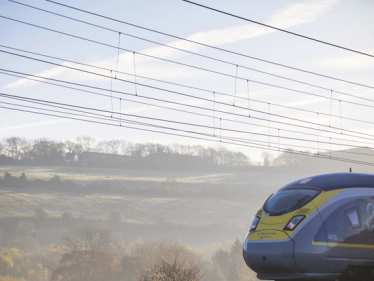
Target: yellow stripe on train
x=343, y=245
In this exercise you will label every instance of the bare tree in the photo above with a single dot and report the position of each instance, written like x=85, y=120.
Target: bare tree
x=289, y=159
x=88, y=258
x=72, y=150
x=175, y=271
x=229, y=264
x=86, y=142
x=111, y=146
x=48, y=152
x=16, y=147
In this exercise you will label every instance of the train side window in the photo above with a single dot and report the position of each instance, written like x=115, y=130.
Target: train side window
x=353, y=217
x=343, y=224
x=368, y=219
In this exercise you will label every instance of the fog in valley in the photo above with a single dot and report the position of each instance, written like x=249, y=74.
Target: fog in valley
x=112, y=210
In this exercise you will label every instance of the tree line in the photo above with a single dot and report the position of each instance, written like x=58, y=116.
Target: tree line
x=86, y=151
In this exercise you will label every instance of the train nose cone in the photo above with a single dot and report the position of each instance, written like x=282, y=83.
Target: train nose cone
x=269, y=257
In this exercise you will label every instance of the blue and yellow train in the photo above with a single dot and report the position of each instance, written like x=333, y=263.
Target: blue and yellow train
x=316, y=228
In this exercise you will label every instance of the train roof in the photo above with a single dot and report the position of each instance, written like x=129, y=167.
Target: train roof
x=334, y=181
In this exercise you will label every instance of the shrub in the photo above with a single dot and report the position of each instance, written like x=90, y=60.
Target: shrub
x=172, y=272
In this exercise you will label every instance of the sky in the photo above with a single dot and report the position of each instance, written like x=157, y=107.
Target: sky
x=348, y=23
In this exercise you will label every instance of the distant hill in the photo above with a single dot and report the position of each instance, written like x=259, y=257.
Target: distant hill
x=302, y=164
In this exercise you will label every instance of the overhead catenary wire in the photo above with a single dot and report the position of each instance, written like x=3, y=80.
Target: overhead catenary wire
x=210, y=46
x=192, y=96
x=70, y=111
x=102, y=117
x=281, y=29
x=275, y=121
x=235, y=64
x=298, y=91
x=248, y=98
x=134, y=73
x=110, y=118
x=184, y=104
x=200, y=125
x=121, y=120
x=176, y=109
x=173, y=108
x=235, y=84
x=199, y=134
x=116, y=69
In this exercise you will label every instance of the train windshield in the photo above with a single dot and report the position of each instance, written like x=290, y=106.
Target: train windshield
x=286, y=201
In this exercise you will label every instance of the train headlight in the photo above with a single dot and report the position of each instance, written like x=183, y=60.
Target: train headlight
x=254, y=224
x=294, y=222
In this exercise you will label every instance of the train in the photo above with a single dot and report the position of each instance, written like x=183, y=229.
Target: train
x=316, y=228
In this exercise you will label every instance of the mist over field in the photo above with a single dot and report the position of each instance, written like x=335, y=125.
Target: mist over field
x=87, y=210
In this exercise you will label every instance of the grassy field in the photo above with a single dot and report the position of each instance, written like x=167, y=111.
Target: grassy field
x=91, y=174
x=201, y=208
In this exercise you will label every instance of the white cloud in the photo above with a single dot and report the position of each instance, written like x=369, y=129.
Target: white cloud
x=52, y=72
x=56, y=120
x=347, y=62
x=31, y=125
x=302, y=12
x=302, y=103
x=292, y=15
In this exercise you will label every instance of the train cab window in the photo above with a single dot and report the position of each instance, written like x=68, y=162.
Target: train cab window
x=286, y=201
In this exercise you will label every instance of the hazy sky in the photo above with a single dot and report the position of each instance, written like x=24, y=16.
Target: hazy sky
x=348, y=23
